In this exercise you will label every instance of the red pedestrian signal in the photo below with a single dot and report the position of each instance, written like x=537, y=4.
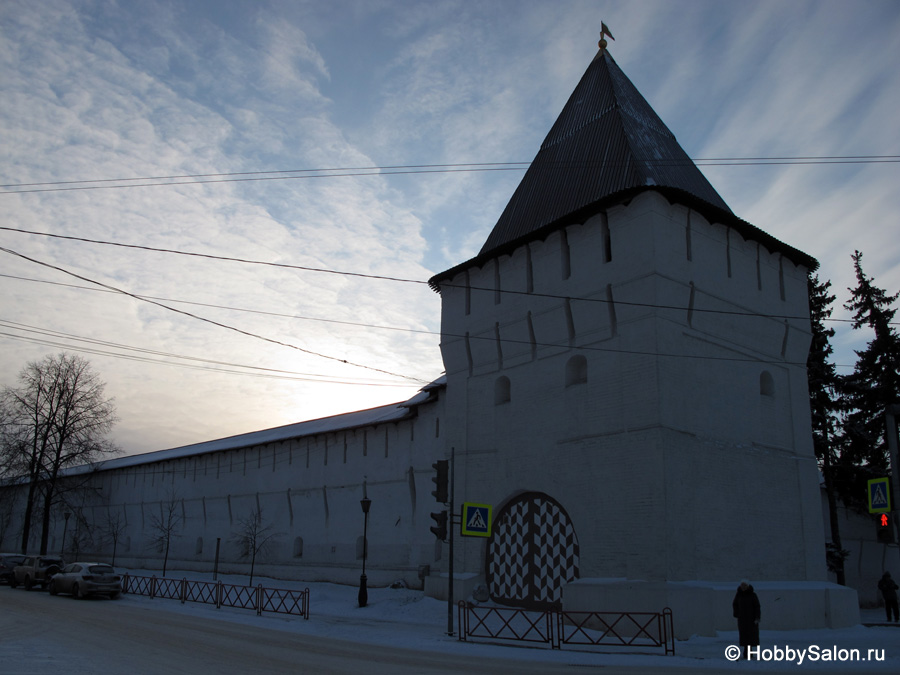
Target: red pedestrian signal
x=885, y=529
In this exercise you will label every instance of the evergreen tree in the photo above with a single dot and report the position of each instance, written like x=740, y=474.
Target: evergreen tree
x=875, y=381
x=824, y=408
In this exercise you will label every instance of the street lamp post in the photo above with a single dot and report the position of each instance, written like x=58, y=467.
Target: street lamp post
x=65, y=528
x=365, y=502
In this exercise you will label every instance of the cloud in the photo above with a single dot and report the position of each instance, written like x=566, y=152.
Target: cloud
x=162, y=89
x=93, y=109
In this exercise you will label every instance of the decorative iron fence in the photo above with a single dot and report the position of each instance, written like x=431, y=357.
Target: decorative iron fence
x=617, y=629
x=503, y=623
x=281, y=600
x=556, y=628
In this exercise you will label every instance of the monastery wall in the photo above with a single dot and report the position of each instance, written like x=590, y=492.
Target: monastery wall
x=308, y=490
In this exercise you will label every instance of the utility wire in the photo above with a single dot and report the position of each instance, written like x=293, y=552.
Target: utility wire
x=145, y=354
x=401, y=279
x=249, y=180
x=262, y=312
x=342, y=172
x=260, y=173
x=210, y=256
x=226, y=371
x=565, y=343
x=210, y=321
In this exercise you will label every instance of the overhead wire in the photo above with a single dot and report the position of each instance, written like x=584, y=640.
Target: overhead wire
x=467, y=167
x=401, y=279
x=506, y=340
x=210, y=321
x=146, y=355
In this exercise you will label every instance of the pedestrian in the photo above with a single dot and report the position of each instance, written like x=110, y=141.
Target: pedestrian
x=888, y=588
x=746, y=611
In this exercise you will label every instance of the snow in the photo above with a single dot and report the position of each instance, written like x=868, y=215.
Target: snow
x=408, y=619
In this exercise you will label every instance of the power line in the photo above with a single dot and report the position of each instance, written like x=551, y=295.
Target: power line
x=259, y=173
x=265, y=178
x=210, y=256
x=343, y=172
x=210, y=321
x=536, y=344
x=262, y=312
x=146, y=355
x=403, y=280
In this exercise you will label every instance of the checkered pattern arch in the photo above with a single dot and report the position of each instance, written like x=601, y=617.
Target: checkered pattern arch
x=532, y=553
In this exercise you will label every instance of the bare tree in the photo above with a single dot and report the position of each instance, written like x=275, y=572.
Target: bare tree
x=165, y=525
x=253, y=537
x=7, y=508
x=57, y=418
x=112, y=531
x=82, y=537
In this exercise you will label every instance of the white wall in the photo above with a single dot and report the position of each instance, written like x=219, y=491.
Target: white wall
x=308, y=487
x=671, y=460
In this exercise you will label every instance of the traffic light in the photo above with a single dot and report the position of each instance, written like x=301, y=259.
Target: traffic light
x=439, y=529
x=885, y=529
x=441, y=481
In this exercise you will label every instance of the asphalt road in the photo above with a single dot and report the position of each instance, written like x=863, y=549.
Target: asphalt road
x=45, y=635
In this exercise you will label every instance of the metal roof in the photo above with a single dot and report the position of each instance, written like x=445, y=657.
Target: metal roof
x=606, y=146
x=607, y=139
x=395, y=412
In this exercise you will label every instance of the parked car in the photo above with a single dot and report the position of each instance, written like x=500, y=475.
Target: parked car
x=82, y=579
x=8, y=563
x=35, y=570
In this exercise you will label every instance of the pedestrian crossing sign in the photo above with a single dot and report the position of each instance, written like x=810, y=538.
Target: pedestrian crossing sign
x=879, y=495
x=476, y=520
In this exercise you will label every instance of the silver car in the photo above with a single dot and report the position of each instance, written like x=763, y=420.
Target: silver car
x=82, y=579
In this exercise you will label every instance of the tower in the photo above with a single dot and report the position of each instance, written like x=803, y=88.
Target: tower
x=626, y=383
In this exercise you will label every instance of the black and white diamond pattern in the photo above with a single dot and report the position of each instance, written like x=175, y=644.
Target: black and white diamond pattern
x=533, y=552
x=509, y=554
x=557, y=551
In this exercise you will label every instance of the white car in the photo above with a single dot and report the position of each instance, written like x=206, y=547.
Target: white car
x=82, y=579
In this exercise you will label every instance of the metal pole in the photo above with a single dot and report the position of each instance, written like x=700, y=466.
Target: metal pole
x=66, y=516
x=363, y=596
x=216, y=563
x=890, y=416
x=450, y=534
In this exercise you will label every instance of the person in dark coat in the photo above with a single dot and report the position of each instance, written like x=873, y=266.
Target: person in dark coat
x=746, y=611
x=888, y=588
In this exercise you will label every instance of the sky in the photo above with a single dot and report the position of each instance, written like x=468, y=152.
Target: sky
x=267, y=186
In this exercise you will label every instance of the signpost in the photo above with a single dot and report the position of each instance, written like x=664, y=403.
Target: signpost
x=879, y=495
x=476, y=520
x=892, y=432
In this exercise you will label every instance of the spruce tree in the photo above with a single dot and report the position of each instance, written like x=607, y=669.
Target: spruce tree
x=824, y=406
x=875, y=381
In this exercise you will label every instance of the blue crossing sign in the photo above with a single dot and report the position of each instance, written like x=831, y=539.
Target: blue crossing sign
x=476, y=520
x=879, y=495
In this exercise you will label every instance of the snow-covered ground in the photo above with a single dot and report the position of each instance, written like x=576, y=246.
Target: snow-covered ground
x=406, y=618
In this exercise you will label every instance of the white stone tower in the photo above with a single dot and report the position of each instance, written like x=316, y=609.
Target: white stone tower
x=626, y=384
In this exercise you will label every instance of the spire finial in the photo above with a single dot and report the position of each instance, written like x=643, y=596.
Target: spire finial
x=604, y=31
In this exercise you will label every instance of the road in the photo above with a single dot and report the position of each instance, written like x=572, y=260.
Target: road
x=45, y=635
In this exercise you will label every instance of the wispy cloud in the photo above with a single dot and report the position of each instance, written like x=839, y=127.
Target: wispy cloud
x=160, y=89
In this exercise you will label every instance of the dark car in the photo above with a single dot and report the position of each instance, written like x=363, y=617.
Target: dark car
x=8, y=562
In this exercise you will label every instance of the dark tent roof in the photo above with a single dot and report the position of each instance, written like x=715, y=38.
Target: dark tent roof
x=607, y=139
x=607, y=146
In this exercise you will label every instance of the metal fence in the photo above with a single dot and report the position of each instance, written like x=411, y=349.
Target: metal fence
x=216, y=593
x=556, y=628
